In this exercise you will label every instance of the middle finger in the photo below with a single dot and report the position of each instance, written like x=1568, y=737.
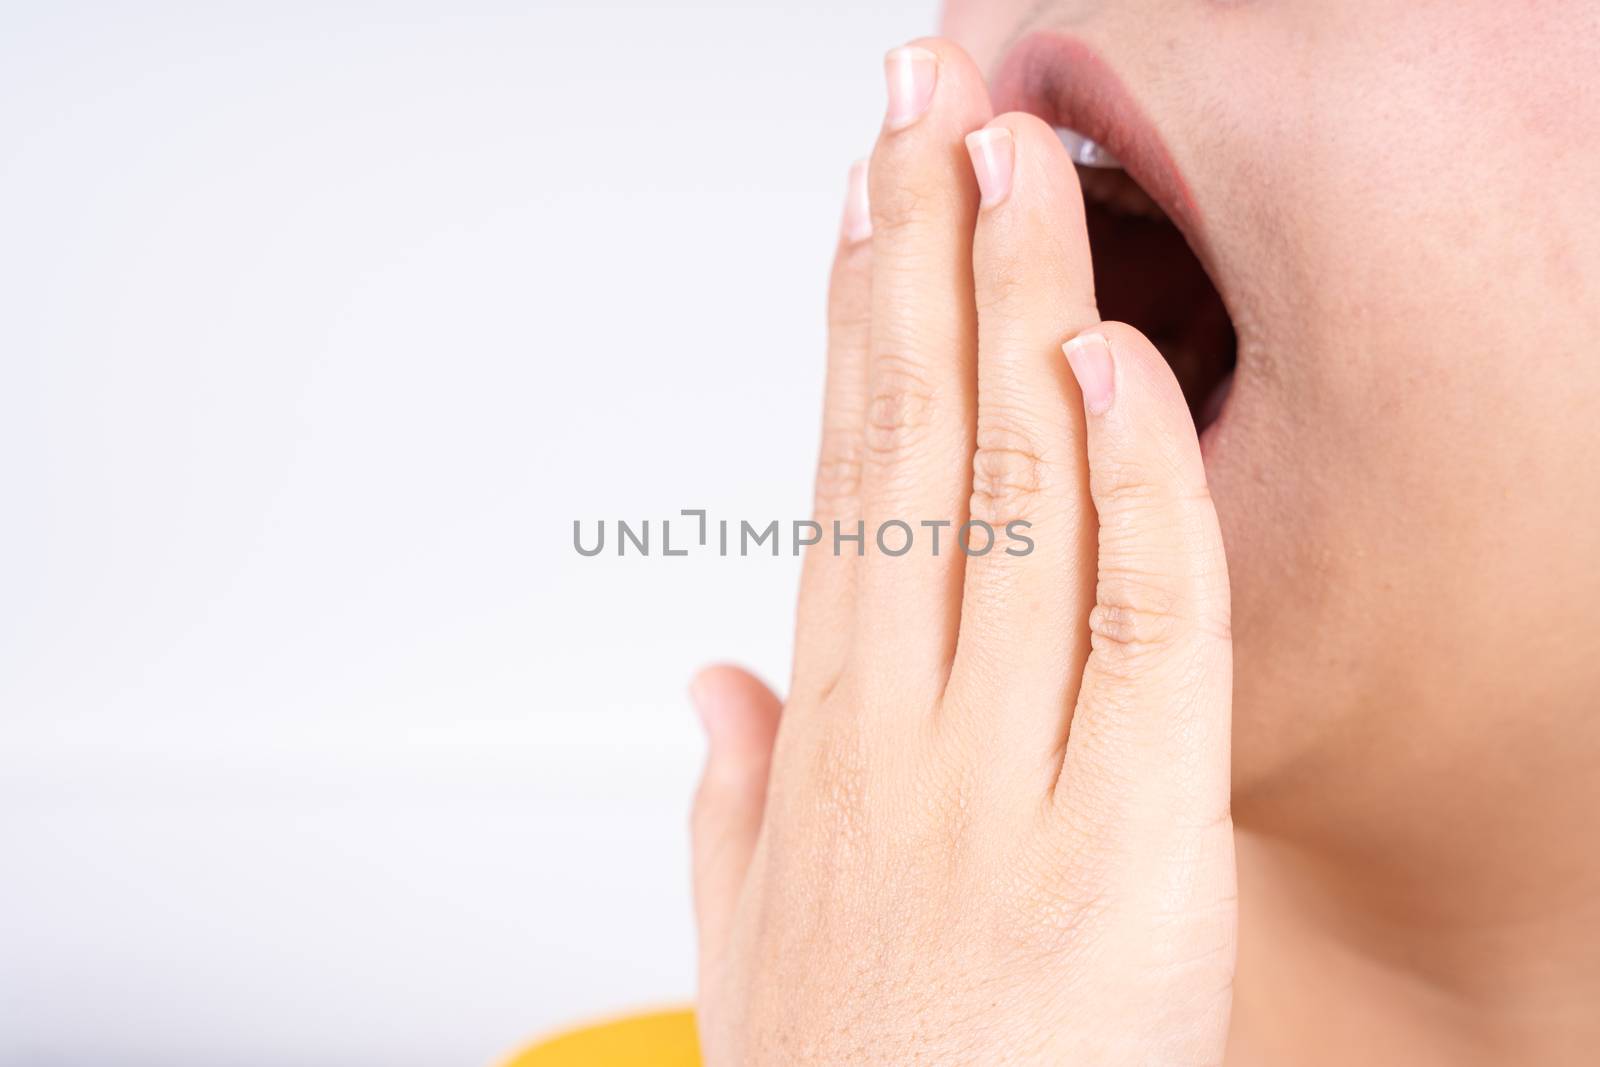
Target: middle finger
x=922, y=407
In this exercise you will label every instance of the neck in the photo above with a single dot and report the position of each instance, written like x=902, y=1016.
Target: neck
x=1450, y=948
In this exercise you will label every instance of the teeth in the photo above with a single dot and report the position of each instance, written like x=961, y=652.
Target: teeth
x=1084, y=152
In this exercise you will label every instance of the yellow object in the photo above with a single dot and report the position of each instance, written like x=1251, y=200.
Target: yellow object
x=660, y=1039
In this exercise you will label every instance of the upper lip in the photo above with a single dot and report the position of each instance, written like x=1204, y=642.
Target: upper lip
x=1063, y=81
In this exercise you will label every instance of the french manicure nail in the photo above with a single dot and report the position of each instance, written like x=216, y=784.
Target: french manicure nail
x=994, y=156
x=1089, y=355
x=857, y=211
x=911, y=73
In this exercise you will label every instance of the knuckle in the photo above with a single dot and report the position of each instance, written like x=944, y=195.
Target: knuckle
x=901, y=202
x=1042, y=923
x=838, y=483
x=1140, y=612
x=898, y=410
x=1129, y=485
x=946, y=797
x=1001, y=286
x=1008, y=473
x=1140, y=622
x=1062, y=900
x=1131, y=629
x=838, y=774
x=1162, y=581
x=849, y=304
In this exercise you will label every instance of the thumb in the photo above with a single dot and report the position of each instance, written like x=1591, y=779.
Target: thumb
x=740, y=716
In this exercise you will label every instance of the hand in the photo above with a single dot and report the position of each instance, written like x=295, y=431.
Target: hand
x=991, y=823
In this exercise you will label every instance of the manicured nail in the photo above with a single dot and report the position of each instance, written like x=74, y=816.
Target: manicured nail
x=994, y=156
x=857, y=211
x=911, y=73
x=1089, y=355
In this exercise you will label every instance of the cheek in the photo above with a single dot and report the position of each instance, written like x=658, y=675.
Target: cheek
x=1419, y=462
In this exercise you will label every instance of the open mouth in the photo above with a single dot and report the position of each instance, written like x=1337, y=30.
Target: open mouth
x=1145, y=230
x=1145, y=274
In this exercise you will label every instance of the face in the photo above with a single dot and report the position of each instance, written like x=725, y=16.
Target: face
x=1395, y=204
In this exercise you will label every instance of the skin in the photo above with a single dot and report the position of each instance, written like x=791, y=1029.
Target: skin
x=948, y=851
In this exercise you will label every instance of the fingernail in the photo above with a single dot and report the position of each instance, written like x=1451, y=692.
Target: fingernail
x=994, y=156
x=857, y=211
x=1089, y=355
x=911, y=73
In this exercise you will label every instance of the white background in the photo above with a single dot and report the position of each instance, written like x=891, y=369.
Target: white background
x=319, y=324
